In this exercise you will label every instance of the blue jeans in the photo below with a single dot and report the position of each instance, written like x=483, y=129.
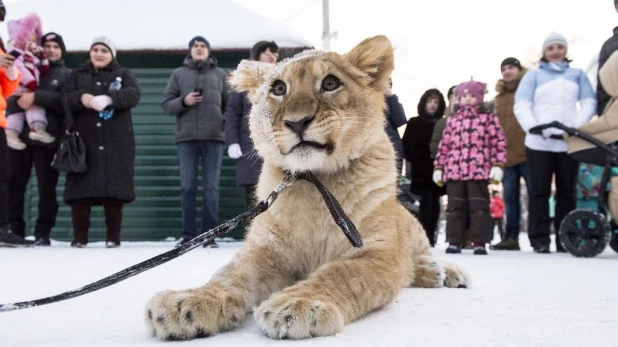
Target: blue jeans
x=189, y=155
x=512, y=204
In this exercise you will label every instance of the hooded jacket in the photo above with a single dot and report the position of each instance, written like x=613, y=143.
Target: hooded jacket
x=416, y=140
x=202, y=121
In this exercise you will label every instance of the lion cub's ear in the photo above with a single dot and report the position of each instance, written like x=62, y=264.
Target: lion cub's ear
x=250, y=75
x=374, y=56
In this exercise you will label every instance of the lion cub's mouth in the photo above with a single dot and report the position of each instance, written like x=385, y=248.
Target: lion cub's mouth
x=328, y=147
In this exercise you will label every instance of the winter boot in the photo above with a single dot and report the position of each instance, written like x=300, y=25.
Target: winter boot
x=42, y=241
x=453, y=249
x=211, y=244
x=509, y=244
x=479, y=248
x=41, y=135
x=9, y=239
x=13, y=141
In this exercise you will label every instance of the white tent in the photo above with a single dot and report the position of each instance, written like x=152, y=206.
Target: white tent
x=154, y=24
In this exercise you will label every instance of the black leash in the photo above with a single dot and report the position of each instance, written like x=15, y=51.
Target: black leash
x=335, y=209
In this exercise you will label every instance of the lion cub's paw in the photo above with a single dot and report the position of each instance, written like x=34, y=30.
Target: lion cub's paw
x=193, y=314
x=286, y=316
x=428, y=272
x=456, y=276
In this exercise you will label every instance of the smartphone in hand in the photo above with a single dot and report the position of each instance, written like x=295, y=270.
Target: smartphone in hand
x=200, y=91
x=15, y=53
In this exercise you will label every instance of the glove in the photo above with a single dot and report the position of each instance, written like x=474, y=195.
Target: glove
x=546, y=133
x=100, y=102
x=495, y=174
x=437, y=178
x=234, y=151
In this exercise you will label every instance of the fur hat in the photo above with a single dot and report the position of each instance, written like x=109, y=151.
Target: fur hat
x=554, y=37
x=475, y=88
x=105, y=41
x=21, y=30
x=261, y=47
x=51, y=36
x=199, y=39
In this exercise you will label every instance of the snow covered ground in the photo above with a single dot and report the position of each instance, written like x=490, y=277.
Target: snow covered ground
x=517, y=299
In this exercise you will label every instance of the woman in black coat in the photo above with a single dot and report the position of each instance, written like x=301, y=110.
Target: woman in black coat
x=110, y=143
x=237, y=134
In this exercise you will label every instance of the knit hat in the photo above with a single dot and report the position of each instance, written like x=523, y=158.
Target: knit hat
x=477, y=89
x=105, y=41
x=261, y=47
x=51, y=36
x=512, y=61
x=199, y=39
x=554, y=37
x=21, y=30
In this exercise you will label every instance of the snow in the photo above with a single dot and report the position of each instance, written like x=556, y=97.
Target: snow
x=155, y=24
x=517, y=299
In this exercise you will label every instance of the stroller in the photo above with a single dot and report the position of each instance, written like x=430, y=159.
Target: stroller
x=585, y=232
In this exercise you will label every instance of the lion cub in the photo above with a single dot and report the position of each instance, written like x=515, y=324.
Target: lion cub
x=297, y=272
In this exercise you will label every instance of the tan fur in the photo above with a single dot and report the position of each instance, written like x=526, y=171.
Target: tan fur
x=297, y=271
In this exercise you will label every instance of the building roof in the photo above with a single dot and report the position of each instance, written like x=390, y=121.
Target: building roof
x=154, y=24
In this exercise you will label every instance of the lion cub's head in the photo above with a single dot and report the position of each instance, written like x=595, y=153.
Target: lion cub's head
x=318, y=110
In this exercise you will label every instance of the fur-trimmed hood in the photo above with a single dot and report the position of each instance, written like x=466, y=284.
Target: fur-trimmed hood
x=20, y=30
x=505, y=87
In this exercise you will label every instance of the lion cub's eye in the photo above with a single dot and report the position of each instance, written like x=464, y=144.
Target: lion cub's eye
x=330, y=83
x=278, y=88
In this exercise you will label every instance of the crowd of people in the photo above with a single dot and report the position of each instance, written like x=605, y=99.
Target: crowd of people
x=455, y=146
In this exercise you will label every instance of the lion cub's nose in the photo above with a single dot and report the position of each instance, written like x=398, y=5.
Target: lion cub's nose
x=298, y=126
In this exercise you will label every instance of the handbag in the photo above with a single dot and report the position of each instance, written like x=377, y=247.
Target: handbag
x=71, y=154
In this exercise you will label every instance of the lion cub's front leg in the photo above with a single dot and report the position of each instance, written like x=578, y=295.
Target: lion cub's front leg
x=335, y=294
x=221, y=304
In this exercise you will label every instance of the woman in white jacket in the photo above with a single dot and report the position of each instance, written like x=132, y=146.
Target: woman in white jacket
x=551, y=93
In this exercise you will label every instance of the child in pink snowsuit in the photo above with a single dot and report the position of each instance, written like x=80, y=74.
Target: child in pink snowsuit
x=25, y=34
x=472, y=152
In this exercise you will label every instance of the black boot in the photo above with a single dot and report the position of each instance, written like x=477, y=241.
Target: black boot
x=509, y=244
x=8, y=239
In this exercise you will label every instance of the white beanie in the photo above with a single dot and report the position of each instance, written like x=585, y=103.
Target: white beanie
x=554, y=37
x=105, y=41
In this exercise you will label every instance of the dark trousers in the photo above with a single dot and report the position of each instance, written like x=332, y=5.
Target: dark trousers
x=512, y=187
x=5, y=173
x=480, y=219
x=250, y=198
x=429, y=211
x=190, y=155
x=542, y=166
x=21, y=163
x=80, y=215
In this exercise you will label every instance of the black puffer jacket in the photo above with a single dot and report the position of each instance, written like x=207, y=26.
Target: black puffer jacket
x=610, y=46
x=48, y=96
x=110, y=144
x=416, y=141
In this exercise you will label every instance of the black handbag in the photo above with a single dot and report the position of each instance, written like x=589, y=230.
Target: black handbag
x=71, y=154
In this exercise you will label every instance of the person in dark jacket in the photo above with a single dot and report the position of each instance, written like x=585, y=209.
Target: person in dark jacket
x=416, y=141
x=197, y=94
x=9, y=81
x=36, y=153
x=110, y=143
x=395, y=117
x=609, y=47
x=237, y=134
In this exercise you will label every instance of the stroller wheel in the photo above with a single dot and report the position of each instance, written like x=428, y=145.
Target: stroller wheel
x=584, y=232
x=613, y=242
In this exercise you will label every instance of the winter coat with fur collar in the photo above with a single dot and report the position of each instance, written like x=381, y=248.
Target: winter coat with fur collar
x=472, y=142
